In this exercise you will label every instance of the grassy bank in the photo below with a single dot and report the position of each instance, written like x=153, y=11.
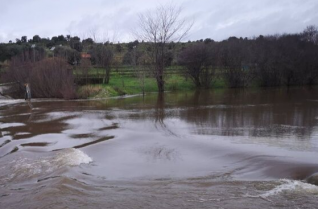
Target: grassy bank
x=128, y=85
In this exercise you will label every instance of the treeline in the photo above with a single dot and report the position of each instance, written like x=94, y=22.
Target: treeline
x=285, y=60
x=274, y=60
x=67, y=46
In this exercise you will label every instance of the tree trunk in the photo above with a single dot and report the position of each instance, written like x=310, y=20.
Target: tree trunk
x=197, y=82
x=106, y=77
x=160, y=83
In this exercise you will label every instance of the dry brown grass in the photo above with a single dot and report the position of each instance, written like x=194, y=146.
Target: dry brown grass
x=88, y=91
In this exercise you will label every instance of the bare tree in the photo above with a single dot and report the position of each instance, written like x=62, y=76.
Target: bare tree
x=92, y=33
x=236, y=60
x=84, y=68
x=98, y=35
x=159, y=28
x=199, y=62
x=103, y=56
x=140, y=64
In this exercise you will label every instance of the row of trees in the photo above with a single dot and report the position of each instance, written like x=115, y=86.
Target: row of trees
x=74, y=42
x=289, y=59
x=267, y=61
x=54, y=46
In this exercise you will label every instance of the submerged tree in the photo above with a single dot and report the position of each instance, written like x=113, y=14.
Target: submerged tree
x=159, y=28
x=237, y=62
x=200, y=63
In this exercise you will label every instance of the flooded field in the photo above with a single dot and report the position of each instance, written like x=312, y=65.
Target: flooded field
x=205, y=149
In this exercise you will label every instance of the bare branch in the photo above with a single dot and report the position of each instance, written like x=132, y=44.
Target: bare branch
x=158, y=28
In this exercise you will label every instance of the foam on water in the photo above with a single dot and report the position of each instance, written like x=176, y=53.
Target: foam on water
x=72, y=157
x=7, y=125
x=22, y=133
x=292, y=186
x=4, y=102
x=25, y=167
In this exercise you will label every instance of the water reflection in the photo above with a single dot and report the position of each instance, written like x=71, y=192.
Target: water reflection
x=160, y=115
x=271, y=114
x=257, y=113
x=248, y=113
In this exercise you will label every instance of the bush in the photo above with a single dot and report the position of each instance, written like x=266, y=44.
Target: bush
x=48, y=78
x=53, y=78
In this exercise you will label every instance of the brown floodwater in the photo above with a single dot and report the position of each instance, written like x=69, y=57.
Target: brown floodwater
x=205, y=149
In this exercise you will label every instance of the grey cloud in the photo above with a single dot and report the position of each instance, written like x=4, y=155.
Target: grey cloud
x=252, y=18
x=217, y=19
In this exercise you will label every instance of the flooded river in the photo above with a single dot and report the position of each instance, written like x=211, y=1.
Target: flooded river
x=205, y=149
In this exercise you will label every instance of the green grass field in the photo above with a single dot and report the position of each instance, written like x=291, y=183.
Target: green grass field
x=129, y=85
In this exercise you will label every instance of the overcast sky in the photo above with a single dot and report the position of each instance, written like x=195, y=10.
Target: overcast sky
x=114, y=20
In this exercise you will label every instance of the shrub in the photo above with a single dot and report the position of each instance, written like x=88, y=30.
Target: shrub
x=48, y=78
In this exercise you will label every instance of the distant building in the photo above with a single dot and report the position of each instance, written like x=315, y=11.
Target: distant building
x=85, y=55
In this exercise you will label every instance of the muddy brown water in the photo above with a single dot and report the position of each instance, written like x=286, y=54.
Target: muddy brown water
x=204, y=149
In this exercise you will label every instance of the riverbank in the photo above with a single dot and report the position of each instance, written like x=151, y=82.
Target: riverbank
x=128, y=85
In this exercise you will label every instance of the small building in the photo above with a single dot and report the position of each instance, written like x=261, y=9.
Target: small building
x=85, y=55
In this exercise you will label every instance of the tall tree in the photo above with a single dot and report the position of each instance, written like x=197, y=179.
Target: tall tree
x=159, y=28
x=36, y=39
x=24, y=39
